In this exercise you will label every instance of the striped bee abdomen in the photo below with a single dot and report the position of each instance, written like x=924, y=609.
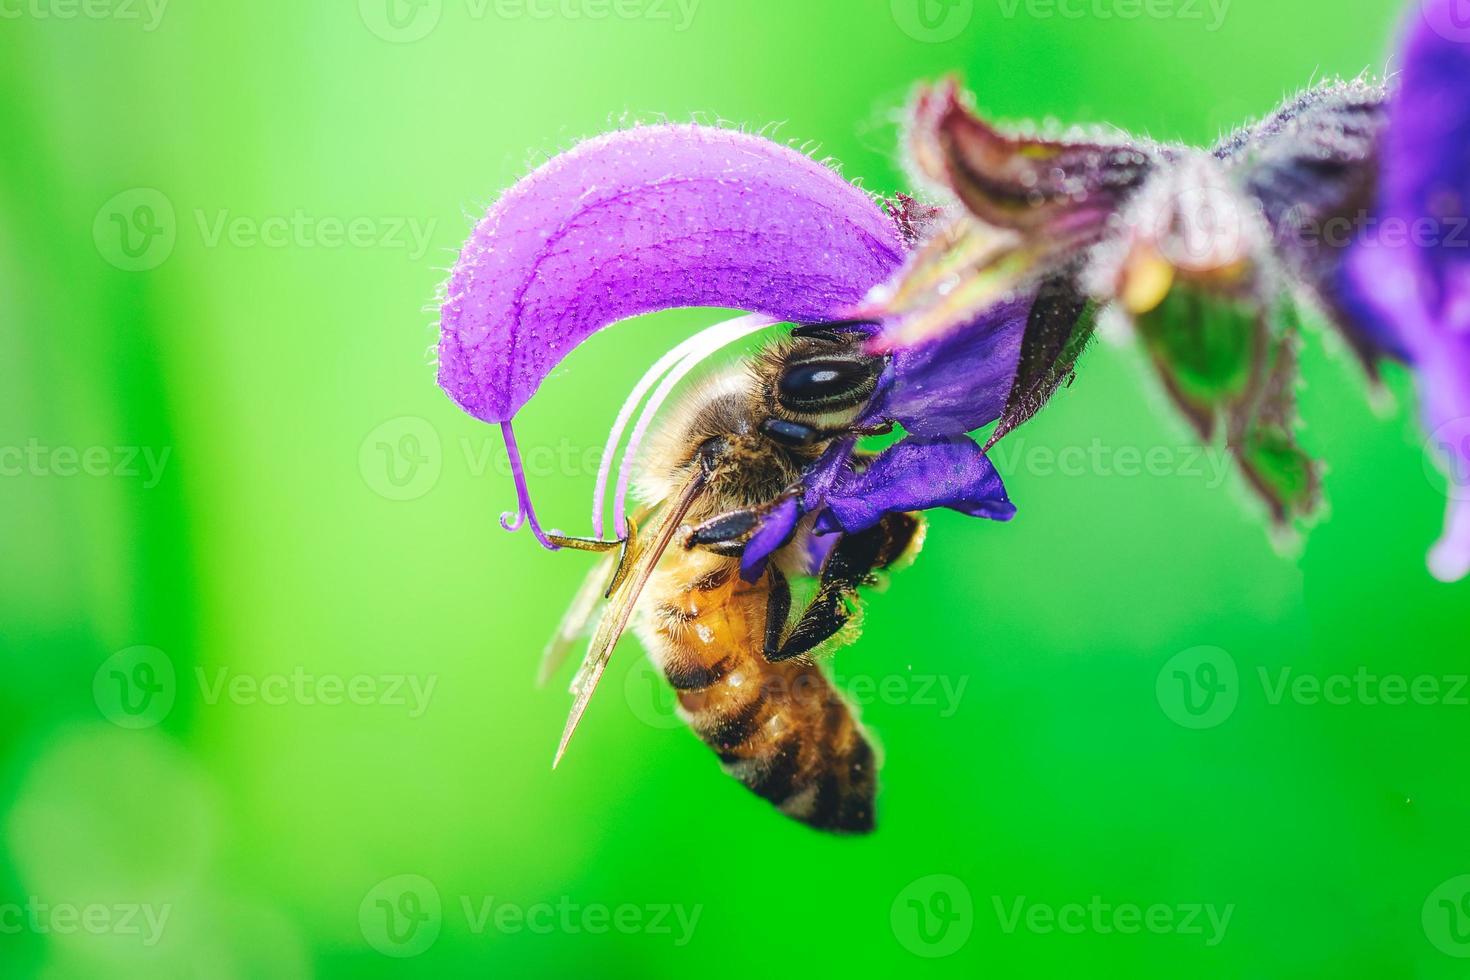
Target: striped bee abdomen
x=781, y=729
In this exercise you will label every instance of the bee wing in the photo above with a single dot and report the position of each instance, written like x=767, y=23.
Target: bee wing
x=578, y=619
x=621, y=604
x=601, y=582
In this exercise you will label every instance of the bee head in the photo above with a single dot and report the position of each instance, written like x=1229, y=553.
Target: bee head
x=818, y=382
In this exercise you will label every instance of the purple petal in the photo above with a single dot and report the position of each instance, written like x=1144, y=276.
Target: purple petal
x=775, y=530
x=826, y=473
x=1309, y=165
x=959, y=381
x=1420, y=287
x=779, y=523
x=917, y=474
x=1348, y=291
x=1022, y=182
x=642, y=220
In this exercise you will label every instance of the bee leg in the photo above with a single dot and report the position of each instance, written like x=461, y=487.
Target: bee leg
x=778, y=607
x=851, y=564
x=631, y=547
x=727, y=534
x=582, y=544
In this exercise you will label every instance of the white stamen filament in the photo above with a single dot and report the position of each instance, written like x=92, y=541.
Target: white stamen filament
x=702, y=346
x=604, y=469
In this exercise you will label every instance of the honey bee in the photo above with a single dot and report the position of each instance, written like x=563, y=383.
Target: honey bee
x=743, y=667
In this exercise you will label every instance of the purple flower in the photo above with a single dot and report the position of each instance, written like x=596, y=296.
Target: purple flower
x=851, y=493
x=669, y=216
x=1414, y=287
x=917, y=474
x=1199, y=248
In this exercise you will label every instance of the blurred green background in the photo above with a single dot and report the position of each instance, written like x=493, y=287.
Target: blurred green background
x=267, y=705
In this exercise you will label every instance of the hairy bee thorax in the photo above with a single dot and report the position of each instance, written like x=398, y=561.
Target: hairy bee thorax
x=717, y=426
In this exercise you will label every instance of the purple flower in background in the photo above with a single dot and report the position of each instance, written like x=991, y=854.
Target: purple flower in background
x=1416, y=287
x=672, y=216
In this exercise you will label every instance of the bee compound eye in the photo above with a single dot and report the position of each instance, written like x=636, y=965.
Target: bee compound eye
x=826, y=384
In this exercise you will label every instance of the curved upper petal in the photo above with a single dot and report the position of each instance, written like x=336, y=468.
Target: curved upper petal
x=1418, y=284
x=649, y=219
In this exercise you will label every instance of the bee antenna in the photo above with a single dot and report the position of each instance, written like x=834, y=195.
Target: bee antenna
x=822, y=330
